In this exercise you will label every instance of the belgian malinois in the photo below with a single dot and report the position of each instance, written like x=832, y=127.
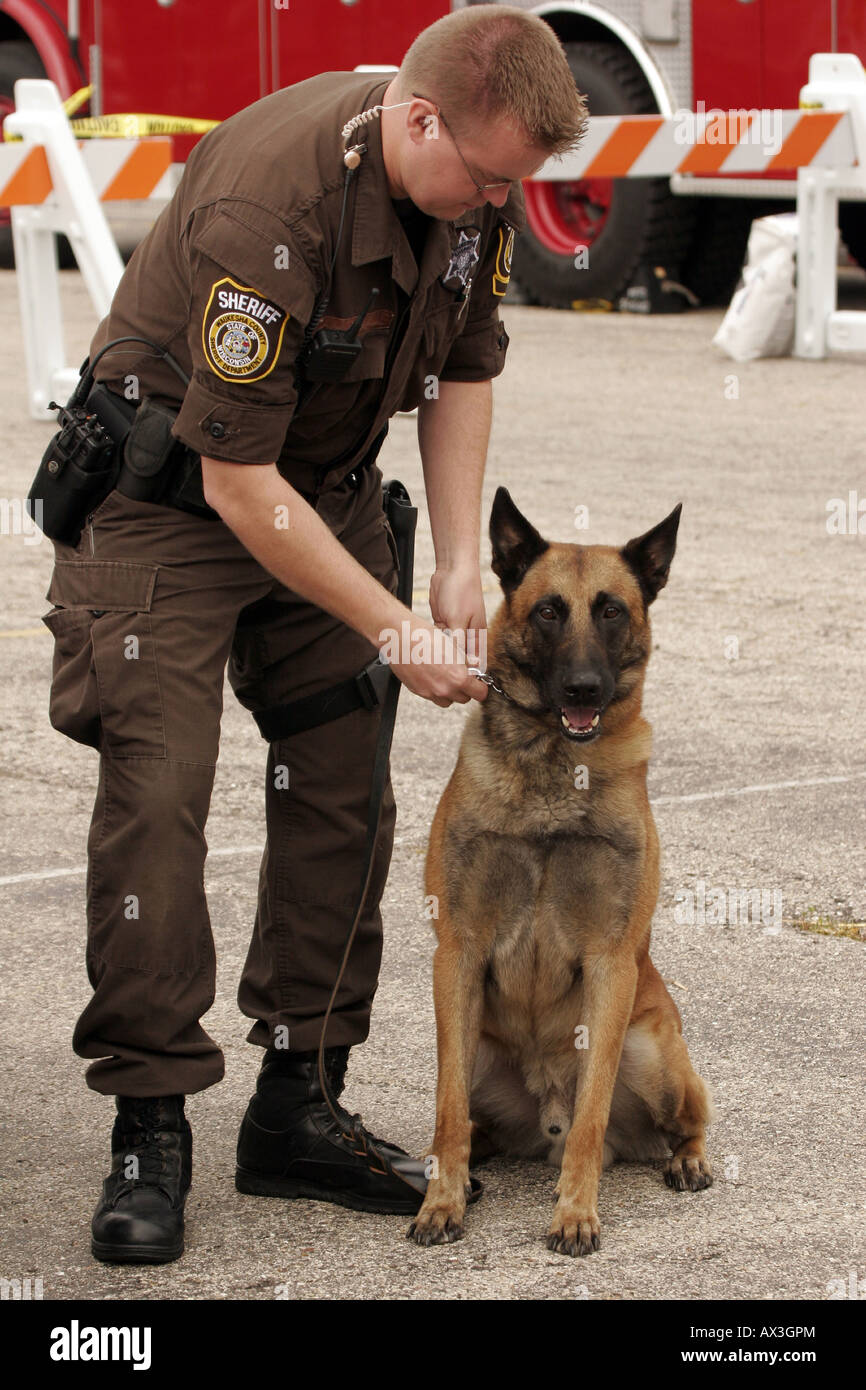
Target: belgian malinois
x=557, y=1038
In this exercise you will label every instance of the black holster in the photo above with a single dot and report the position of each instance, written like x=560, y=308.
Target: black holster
x=159, y=468
x=402, y=517
x=367, y=689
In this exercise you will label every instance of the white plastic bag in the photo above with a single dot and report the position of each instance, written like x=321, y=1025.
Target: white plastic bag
x=760, y=318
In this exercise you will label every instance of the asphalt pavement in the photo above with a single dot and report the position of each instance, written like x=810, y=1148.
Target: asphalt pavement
x=757, y=696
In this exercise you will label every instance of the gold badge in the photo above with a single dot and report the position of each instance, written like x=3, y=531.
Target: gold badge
x=242, y=332
x=502, y=272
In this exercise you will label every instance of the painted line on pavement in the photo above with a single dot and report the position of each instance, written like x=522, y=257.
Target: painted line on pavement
x=43, y=874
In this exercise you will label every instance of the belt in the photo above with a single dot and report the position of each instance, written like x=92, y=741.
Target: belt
x=353, y=477
x=177, y=480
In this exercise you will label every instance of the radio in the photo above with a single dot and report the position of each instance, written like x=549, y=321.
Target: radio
x=77, y=469
x=333, y=350
x=81, y=464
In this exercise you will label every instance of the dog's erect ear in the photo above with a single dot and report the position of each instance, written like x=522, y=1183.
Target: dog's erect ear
x=516, y=544
x=650, y=555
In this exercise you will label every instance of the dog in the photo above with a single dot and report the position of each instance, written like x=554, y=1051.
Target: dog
x=557, y=1038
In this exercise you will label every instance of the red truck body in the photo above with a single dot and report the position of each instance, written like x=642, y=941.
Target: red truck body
x=757, y=54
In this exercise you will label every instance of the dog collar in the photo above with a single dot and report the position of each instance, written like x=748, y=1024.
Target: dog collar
x=489, y=680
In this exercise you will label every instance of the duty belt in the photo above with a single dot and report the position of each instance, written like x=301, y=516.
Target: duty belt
x=156, y=467
x=153, y=466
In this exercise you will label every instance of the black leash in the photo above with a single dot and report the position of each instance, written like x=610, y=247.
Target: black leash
x=375, y=686
x=374, y=816
x=402, y=517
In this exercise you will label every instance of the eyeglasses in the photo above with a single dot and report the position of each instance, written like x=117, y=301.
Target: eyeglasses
x=482, y=187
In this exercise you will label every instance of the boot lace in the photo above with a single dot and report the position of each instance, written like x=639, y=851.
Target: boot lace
x=151, y=1146
x=365, y=1145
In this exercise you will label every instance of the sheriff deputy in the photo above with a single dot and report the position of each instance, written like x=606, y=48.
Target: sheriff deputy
x=272, y=556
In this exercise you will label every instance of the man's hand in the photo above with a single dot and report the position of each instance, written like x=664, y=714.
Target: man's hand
x=430, y=673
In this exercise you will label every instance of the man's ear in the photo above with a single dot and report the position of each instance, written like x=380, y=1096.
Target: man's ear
x=418, y=117
x=650, y=555
x=516, y=544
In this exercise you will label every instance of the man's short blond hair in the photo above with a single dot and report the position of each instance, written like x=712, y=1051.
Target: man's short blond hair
x=495, y=62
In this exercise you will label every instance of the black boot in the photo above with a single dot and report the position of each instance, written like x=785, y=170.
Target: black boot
x=290, y=1145
x=140, y=1217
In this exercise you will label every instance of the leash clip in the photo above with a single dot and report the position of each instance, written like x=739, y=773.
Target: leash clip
x=488, y=680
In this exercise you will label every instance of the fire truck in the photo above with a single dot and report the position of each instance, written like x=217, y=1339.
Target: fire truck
x=207, y=59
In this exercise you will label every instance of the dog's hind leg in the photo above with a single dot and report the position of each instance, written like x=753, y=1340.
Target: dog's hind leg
x=656, y=1071
x=481, y=1146
x=689, y=1165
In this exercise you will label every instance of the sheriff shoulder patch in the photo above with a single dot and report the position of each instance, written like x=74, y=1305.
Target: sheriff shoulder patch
x=502, y=270
x=241, y=331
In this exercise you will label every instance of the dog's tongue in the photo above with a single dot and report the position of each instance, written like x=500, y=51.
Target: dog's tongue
x=579, y=716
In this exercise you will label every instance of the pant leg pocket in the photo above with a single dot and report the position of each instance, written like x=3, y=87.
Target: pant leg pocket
x=105, y=688
x=73, y=706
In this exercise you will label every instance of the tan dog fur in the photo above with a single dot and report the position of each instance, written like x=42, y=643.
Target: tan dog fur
x=545, y=898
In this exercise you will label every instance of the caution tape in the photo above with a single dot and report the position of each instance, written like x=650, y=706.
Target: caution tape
x=126, y=125
x=134, y=126
x=77, y=100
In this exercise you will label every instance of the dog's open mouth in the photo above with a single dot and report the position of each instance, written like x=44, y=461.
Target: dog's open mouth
x=580, y=721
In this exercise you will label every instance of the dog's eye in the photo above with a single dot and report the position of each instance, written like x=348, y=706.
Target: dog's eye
x=612, y=611
x=548, y=613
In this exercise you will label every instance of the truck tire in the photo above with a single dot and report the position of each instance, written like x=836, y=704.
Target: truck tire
x=622, y=222
x=722, y=225
x=17, y=59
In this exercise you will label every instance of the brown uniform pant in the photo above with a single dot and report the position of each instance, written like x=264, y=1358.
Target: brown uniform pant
x=149, y=607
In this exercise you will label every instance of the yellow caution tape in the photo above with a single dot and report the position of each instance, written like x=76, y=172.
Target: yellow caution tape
x=125, y=125
x=133, y=125
x=77, y=100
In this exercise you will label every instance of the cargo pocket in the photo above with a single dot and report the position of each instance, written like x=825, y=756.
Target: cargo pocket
x=105, y=682
x=74, y=703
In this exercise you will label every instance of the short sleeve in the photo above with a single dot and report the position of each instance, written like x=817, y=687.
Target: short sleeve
x=478, y=353
x=251, y=297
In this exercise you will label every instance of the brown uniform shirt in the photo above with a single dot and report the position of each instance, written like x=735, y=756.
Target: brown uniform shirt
x=228, y=277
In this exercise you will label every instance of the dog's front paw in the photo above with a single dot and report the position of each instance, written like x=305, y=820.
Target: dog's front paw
x=437, y=1223
x=692, y=1173
x=574, y=1230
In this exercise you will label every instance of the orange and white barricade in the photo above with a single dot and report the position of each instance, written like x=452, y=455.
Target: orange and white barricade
x=837, y=83
x=705, y=143
x=53, y=186
x=825, y=141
